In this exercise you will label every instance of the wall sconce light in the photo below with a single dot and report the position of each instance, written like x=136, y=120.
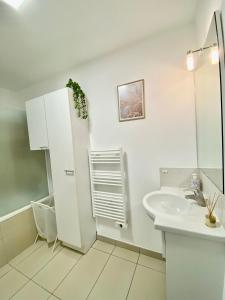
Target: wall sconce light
x=190, y=61
x=214, y=55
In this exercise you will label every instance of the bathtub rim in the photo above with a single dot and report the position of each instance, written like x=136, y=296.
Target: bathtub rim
x=22, y=209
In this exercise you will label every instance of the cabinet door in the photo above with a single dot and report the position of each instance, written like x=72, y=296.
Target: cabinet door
x=36, y=121
x=62, y=165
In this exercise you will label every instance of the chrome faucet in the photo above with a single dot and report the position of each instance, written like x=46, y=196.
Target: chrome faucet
x=197, y=196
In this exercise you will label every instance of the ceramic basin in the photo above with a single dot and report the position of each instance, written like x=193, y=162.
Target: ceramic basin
x=165, y=203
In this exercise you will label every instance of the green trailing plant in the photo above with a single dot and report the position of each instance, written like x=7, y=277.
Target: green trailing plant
x=80, y=100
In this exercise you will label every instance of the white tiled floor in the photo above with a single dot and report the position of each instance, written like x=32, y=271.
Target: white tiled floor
x=105, y=272
x=126, y=254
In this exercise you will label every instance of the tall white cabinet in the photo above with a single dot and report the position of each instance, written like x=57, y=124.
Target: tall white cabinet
x=68, y=142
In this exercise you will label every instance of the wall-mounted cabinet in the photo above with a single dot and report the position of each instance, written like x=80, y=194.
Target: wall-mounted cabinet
x=36, y=120
x=68, y=143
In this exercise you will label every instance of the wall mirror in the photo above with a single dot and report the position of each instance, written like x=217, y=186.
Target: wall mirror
x=209, y=80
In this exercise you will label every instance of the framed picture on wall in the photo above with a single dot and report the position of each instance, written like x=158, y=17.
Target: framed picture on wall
x=131, y=100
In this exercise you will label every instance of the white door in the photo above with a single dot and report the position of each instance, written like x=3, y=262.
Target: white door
x=62, y=164
x=36, y=121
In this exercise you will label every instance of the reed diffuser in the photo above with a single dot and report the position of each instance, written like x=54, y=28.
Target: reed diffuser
x=210, y=219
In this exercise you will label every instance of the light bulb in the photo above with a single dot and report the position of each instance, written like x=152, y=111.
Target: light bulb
x=215, y=55
x=190, y=61
x=14, y=3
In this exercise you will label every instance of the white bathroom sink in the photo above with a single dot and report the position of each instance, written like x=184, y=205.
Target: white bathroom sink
x=172, y=212
x=165, y=203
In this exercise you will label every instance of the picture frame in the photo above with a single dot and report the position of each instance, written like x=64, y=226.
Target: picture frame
x=131, y=100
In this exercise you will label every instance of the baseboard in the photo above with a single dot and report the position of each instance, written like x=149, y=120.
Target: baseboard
x=130, y=247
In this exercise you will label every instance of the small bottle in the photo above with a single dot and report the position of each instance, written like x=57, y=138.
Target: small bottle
x=195, y=182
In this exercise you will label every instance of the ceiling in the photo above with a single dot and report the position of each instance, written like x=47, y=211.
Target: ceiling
x=45, y=37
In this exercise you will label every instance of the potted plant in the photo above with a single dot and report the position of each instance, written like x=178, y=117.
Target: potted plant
x=80, y=100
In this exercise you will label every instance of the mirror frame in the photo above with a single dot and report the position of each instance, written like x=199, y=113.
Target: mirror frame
x=217, y=19
x=220, y=38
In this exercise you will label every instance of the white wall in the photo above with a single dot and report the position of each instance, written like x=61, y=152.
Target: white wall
x=10, y=99
x=165, y=138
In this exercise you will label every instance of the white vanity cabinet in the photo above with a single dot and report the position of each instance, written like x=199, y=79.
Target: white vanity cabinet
x=68, y=140
x=195, y=267
x=36, y=120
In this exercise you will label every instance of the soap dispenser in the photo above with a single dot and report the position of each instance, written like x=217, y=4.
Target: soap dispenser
x=195, y=182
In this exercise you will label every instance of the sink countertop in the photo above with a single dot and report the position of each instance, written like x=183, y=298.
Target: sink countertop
x=190, y=224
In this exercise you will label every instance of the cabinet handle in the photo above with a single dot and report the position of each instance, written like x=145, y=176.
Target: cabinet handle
x=69, y=172
x=44, y=147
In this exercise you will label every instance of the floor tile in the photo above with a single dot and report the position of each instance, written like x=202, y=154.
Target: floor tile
x=103, y=246
x=53, y=298
x=11, y=283
x=35, y=262
x=126, y=254
x=78, y=284
x=153, y=263
x=15, y=261
x=5, y=269
x=115, y=280
x=54, y=272
x=31, y=291
x=147, y=284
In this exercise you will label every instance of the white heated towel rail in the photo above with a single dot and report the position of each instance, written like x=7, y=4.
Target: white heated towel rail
x=108, y=185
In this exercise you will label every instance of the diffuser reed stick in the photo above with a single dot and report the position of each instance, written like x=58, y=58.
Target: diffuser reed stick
x=211, y=204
